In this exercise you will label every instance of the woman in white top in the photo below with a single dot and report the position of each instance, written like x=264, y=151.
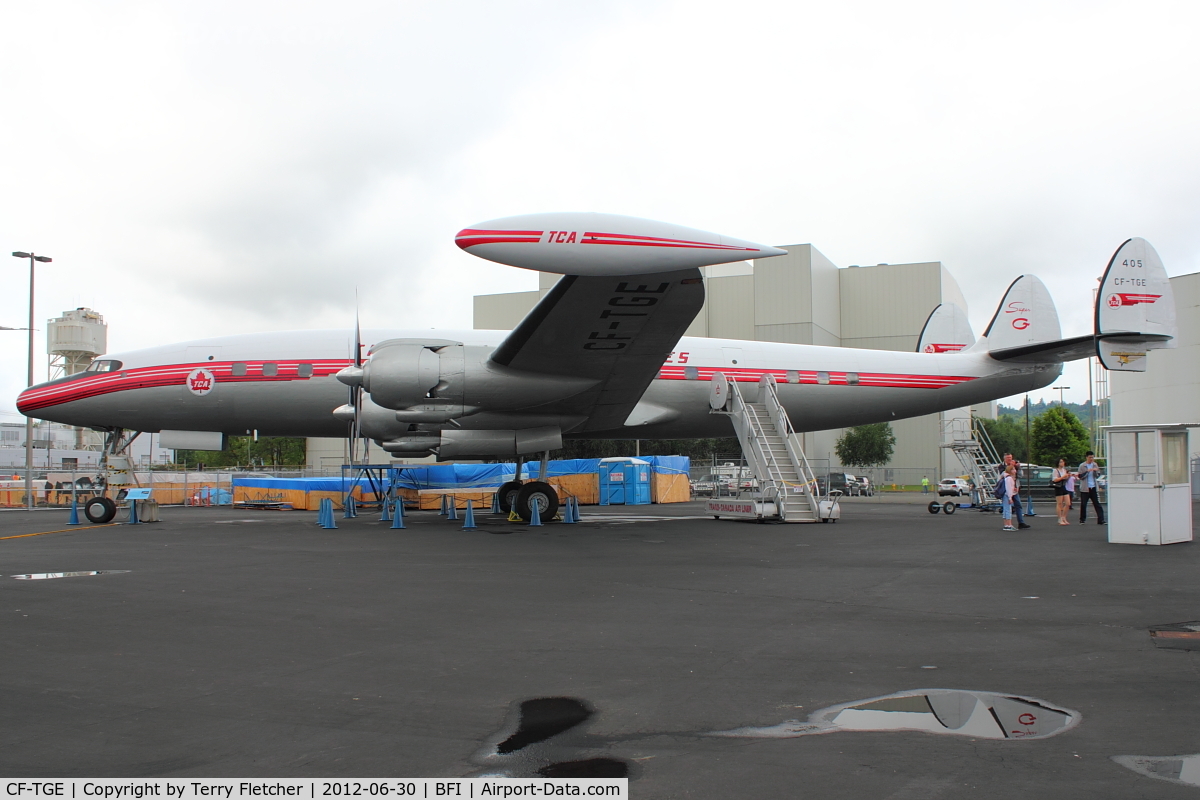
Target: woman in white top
x=1010, y=491
x=1061, y=479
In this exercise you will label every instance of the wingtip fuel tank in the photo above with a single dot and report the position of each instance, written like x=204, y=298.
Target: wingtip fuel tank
x=583, y=243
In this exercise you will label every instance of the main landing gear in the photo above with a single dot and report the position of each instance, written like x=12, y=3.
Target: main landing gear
x=521, y=497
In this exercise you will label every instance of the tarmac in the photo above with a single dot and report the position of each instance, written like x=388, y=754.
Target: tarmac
x=696, y=656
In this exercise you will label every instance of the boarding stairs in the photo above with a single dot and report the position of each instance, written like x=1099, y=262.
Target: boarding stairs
x=773, y=451
x=968, y=440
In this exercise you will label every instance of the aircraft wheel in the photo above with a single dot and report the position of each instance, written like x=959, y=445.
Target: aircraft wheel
x=100, y=510
x=935, y=507
x=508, y=493
x=536, y=492
x=949, y=508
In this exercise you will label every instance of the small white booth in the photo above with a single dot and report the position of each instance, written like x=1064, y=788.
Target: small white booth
x=1149, y=488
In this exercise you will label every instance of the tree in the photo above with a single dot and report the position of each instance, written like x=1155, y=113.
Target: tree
x=1007, y=435
x=1056, y=434
x=866, y=445
x=267, y=451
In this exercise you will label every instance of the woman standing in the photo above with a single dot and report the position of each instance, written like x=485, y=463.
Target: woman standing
x=1062, y=494
x=1010, y=490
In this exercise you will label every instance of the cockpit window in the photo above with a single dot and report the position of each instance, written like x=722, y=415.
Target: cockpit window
x=105, y=365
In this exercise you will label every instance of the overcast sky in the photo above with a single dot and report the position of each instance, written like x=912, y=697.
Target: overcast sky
x=206, y=168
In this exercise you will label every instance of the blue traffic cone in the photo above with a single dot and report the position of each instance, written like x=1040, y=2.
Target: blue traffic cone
x=74, y=514
x=442, y=510
x=575, y=515
x=535, y=521
x=469, y=518
x=387, y=511
x=451, y=508
x=133, y=517
x=329, y=523
x=496, y=503
x=321, y=514
x=348, y=510
x=1029, y=512
x=568, y=512
x=398, y=515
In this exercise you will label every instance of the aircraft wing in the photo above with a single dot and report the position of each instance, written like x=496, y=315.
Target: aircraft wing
x=617, y=330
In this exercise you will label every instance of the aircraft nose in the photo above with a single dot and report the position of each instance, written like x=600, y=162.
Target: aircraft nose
x=27, y=400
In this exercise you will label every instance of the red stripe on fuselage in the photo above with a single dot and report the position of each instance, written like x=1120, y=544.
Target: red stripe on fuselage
x=176, y=374
x=166, y=375
x=674, y=372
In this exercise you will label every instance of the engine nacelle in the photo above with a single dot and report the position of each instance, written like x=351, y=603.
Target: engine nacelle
x=437, y=381
x=472, y=444
x=402, y=372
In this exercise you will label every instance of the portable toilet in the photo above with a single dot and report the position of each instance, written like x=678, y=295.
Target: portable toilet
x=1149, y=489
x=624, y=481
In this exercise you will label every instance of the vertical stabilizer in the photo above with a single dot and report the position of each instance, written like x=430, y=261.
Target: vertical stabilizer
x=1026, y=316
x=1135, y=309
x=946, y=331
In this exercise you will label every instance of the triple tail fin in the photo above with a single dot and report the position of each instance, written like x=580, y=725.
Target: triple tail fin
x=1135, y=308
x=1025, y=328
x=946, y=331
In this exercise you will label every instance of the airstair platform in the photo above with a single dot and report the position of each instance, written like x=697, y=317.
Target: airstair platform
x=787, y=487
x=968, y=440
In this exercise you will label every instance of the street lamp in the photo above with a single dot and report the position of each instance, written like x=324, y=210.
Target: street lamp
x=33, y=259
x=1059, y=389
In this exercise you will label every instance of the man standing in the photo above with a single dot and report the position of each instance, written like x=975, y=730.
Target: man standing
x=1009, y=461
x=1089, y=470
x=924, y=484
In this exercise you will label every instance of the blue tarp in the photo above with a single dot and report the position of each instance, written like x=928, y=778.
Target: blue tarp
x=490, y=476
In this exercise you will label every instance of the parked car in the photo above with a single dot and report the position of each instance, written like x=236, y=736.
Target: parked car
x=953, y=487
x=858, y=485
x=712, y=486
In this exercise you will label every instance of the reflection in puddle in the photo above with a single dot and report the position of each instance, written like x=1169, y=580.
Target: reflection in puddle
x=42, y=576
x=544, y=738
x=1177, y=769
x=1176, y=636
x=983, y=715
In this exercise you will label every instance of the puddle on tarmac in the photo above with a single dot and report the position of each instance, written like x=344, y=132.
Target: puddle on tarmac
x=1176, y=636
x=43, y=576
x=1176, y=769
x=544, y=738
x=981, y=715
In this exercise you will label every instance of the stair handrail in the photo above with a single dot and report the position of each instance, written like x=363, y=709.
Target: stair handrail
x=769, y=395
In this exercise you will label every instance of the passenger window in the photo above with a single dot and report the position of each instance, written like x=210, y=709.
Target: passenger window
x=793, y=376
x=823, y=378
x=270, y=369
x=304, y=370
x=852, y=378
x=239, y=369
x=689, y=373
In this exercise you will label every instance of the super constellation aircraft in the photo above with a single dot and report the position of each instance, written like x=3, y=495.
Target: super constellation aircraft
x=601, y=356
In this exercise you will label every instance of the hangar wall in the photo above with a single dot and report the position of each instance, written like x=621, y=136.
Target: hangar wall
x=804, y=298
x=1169, y=389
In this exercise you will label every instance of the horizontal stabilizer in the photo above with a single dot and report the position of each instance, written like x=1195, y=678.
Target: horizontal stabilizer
x=1046, y=352
x=1135, y=309
x=946, y=331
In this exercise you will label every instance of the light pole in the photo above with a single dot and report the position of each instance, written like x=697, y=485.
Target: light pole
x=1060, y=390
x=33, y=259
